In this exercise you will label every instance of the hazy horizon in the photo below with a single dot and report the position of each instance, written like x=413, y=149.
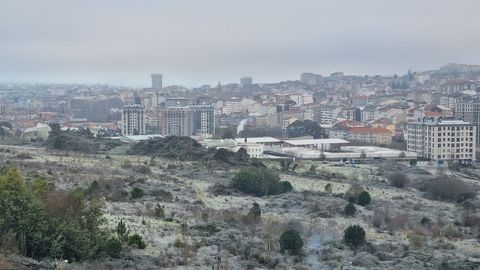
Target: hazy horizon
x=203, y=42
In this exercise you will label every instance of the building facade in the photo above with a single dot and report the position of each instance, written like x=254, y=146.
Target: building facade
x=133, y=120
x=157, y=81
x=203, y=119
x=377, y=136
x=245, y=81
x=179, y=121
x=442, y=139
x=469, y=112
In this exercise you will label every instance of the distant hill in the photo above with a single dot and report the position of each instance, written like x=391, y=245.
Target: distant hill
x=454, y=68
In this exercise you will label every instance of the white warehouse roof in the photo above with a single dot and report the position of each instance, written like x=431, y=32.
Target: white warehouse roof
x=259, y=140
x=315, y=141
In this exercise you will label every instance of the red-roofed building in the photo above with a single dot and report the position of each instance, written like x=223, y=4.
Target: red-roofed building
x=370, y=135
x=433, y=114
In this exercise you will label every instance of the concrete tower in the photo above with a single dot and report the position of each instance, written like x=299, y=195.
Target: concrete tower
x=157, y=81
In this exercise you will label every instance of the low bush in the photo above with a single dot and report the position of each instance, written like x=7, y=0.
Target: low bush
x=349, y=210
x=113, y=247
x=290, y=240
x=415, y=240
x=158, y=212
x=398, y=179
x=223, y=155
x=137, y=240
x=255, y=212
x=449, y=189
x=260, y=182
x=364, y=198
x=137, y=193
x=354, y=236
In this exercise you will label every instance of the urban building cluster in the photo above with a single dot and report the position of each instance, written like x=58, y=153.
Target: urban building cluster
x=435, y=113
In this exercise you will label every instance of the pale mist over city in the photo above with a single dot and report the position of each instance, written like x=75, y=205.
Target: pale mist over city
x=228, y=134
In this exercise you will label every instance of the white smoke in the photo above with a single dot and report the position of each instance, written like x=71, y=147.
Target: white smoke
x=241, y=125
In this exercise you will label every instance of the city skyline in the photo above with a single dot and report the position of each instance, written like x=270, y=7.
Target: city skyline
x=121, y=43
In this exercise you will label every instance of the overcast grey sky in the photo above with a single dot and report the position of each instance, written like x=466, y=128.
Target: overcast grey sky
x=194, y=42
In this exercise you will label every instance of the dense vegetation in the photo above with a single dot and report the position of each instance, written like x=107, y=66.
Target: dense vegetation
x=356, y=194
x=260, y=182
x=38, y=222
x=181, y=148
x=290, y=240
x=78, y=141
x=239, y=158
x=398, y=179
x=449, y=189
x=354, y=235
x=350, y=210
x=364, y=198
x=306, y=128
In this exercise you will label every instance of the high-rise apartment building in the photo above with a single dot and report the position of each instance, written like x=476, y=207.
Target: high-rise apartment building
x=442, y=139
x=469, y=112
x=311, y=79
x=157, y=80
x=133, y=120
x=179, y=121
x=203, y=119
x=246, y=81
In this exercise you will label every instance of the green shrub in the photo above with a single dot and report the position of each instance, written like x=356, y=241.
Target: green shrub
x=121, y=230
x=364, y=198
x=350, y=210
x=47, y=223
x=290, y=240
x=78, y=141
x=159, y=213
x=137, y=240
x=182, y=148
x=113, y=247
x=425, y=221
x=260, y=182
x=137, y=193
x=354, y=236
x=304, y=128
x=255, y=212
x=285, y=186
x=328, y=188
x=223, y=155
x=93, y=189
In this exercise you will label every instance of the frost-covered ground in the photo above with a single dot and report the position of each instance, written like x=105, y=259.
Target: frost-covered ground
x=202, y=230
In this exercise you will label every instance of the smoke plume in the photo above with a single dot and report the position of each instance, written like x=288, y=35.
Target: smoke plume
x=241, y=125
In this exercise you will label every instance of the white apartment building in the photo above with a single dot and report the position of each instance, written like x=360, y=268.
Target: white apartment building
x=254, y=150
x=301, y=99
x=232, y=106
x=133, y=120
x=469, y=112
x=442, y=139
